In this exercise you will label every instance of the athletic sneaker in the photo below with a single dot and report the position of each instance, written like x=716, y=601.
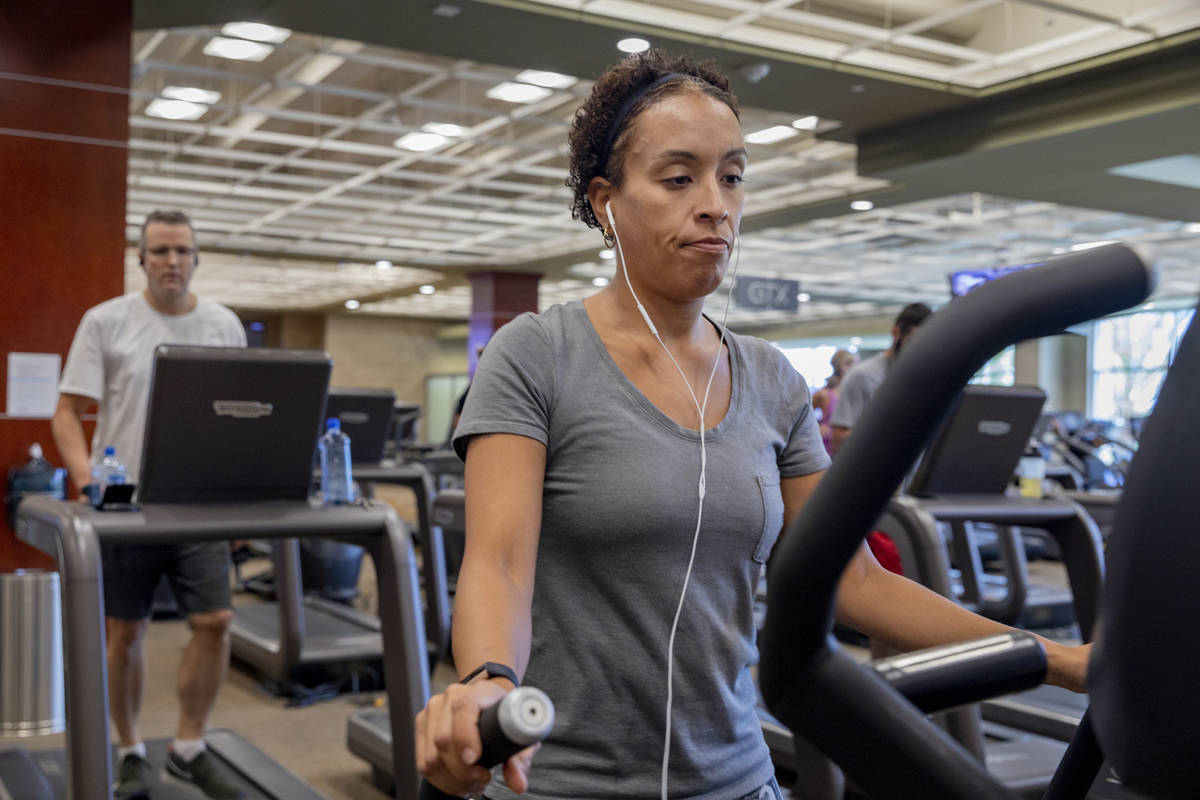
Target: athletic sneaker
x=132, y=776
x=202, y=773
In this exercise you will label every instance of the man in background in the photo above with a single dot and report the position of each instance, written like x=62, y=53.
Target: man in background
x=109, y=365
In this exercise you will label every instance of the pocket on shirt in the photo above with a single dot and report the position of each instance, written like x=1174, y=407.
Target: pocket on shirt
x=772, y=505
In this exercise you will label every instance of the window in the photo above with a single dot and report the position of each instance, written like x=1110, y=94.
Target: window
x=811, y=362
x=1000, y=370
x=1129, y=359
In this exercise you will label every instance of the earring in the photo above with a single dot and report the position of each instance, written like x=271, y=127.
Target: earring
x=610, y=238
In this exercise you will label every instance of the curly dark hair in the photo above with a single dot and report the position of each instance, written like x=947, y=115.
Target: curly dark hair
x=590, y=126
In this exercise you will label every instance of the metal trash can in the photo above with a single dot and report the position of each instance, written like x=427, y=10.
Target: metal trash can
x=31, y=654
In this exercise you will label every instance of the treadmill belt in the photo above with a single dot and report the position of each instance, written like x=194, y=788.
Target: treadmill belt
x=269, y=780
x=262, y=619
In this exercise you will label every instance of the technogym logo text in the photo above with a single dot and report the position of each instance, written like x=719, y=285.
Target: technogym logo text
x=994, y=427
x=242, y=409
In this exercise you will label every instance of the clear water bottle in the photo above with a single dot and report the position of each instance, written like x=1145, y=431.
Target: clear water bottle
x=337, y=486
x=109, y=472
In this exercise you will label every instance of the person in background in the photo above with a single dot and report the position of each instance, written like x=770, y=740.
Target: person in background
x=857, y=389
x=825, y=400
x=863, y=380
x=109, y=365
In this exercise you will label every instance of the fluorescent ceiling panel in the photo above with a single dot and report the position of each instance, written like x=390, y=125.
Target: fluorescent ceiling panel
x=258, y=31
x=237, y=49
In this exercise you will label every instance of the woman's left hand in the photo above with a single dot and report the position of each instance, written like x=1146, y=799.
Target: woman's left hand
x=1067, y=666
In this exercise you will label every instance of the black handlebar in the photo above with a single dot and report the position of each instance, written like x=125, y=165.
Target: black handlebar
x=941, y=678
x=938, y=361
x=806, y=681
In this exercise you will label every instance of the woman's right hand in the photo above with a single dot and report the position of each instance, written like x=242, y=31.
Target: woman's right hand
x=448, y=743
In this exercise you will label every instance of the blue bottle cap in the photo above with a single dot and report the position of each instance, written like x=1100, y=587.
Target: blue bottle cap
x=333, y=423
x=110, y=451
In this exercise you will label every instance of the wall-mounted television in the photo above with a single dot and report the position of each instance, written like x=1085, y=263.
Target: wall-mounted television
x=964, y=281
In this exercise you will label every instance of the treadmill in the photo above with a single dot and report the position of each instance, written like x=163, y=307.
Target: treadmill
x=298, y=639
x=206, y=477
x=975, y=453
x=369, y=731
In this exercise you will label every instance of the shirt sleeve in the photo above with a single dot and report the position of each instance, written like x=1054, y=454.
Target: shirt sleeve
x=512, y=388
x=84, y=370
x=236, y=332
x=853, y=396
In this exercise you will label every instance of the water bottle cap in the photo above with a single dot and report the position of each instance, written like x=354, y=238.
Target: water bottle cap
x=35, y=450
x=110, y=451
x=333, y=423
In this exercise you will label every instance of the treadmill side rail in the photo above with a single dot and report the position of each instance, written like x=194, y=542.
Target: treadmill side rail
x=72, y=532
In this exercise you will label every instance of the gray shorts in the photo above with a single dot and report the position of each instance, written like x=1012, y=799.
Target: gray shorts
x=198, y=573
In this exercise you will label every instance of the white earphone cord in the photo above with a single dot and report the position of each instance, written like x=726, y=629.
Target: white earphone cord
x=700, y=409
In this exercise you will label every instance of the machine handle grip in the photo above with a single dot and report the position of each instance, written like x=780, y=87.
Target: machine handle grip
x=525, y=716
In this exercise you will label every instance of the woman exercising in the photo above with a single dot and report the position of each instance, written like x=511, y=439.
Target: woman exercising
x=629, y=466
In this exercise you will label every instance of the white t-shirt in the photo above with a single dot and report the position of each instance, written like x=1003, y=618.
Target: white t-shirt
x=113, y=353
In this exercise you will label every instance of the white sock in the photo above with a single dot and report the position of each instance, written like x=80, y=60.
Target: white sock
x=139, y=749
x=187, y=749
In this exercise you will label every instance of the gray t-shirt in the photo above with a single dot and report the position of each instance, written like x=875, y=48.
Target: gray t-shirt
x=857, y=389
x=618, y=514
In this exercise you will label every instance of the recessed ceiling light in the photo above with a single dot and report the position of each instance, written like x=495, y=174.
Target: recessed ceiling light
x=352, y=304
x=600, y=281
x=238, y=49
x=446, y=129
x=518, y=92
x=607, y=254
x=633, y=45
x=856, y=340
x=191, y=94
x=446, y=10
x=420, y=142
x=862, y=205
x=804, y=297
x=426, y=289
x=776, y=133
x=808, y=123
x=858, y=88
x=383, y=264
x=1193, y=228
x=175, y=109
x=551, y=80
x=258, y=31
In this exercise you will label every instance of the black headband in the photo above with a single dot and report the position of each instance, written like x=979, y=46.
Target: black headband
x=618, y=120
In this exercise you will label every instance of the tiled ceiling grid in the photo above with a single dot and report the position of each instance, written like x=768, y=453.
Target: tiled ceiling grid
x=366, y=170
x=308, y=153
x=973, y=44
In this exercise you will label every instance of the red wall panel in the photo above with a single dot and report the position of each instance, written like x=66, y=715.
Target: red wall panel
x=62, y=203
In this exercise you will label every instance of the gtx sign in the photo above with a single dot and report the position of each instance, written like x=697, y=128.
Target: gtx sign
x=767, y=294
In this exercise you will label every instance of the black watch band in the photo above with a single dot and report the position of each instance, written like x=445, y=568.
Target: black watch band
x=493, y=670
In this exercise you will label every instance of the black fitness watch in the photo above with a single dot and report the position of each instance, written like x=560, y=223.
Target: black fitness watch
x=493, y=670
